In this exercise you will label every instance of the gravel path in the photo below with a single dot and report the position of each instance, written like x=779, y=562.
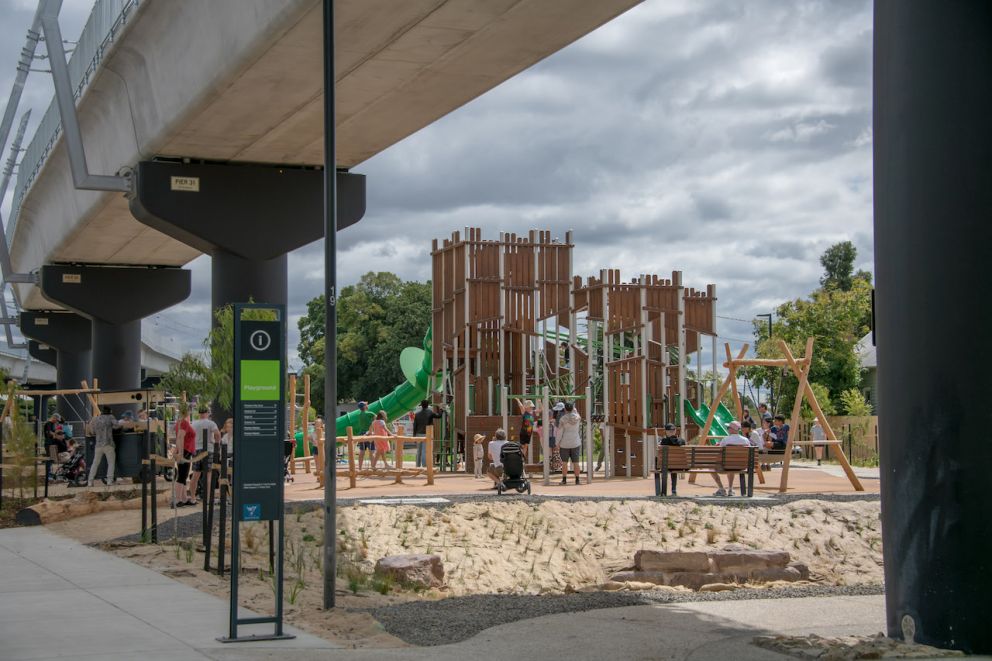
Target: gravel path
x=455, y=619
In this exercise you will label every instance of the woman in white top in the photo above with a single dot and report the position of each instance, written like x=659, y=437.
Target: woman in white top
x=732, y=438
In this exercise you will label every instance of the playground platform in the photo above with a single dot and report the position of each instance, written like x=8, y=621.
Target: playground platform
x=805, y=477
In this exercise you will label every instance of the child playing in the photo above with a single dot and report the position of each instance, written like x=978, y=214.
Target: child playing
x=478, y=452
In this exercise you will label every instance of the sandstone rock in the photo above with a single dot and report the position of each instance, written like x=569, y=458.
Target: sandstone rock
x=656, y=577
x=612, y=586
x=802, y=569
x=417, y=569
x=693, y=561
x=737, y=562
x=639, y=585
x=718, y=587
x=696, y=580
x=790, y=574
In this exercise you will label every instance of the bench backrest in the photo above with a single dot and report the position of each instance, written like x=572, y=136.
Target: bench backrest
x=703, y=457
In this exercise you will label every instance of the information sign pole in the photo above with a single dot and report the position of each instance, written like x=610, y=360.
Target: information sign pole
x=259, y=434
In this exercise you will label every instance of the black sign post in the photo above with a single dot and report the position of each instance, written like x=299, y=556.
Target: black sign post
x=259, y=431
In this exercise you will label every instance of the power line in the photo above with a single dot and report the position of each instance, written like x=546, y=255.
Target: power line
x=746, y=321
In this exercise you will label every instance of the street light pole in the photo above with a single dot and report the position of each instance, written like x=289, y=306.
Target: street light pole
x=771, y=387
x=330, y=312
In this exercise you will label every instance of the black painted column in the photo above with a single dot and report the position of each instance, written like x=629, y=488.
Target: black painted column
x=117, y=354
x=933, y=243
x=115, y=299
x=235, y=279
x=70, y=336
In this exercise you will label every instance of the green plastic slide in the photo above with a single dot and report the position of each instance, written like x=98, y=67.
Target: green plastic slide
x=416, y=366
x=721, y=419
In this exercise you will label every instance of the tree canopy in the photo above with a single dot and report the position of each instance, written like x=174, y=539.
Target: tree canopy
x=837, y=315
x=377, y=318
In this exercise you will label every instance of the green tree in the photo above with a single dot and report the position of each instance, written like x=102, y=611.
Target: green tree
x=854, y=403
x=376, y=319
x=838, y=266
x=191, y=375
x=836, y=318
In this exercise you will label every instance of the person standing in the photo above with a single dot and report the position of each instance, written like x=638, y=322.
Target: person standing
x=816, y=431
x=185, y=448
x=478, y=454
x=103, y=427
x=203, y=424
x=672, y=439
x=569, y=440
x=423, y=419
x=54, y=437
x=379, y=428
x=365, y=420
x=526, y=425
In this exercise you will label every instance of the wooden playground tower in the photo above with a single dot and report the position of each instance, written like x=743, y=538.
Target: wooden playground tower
x=639, y=336
x=493, y=300
x=507, y=315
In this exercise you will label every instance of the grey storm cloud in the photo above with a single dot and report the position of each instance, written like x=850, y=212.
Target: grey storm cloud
x=731, y=141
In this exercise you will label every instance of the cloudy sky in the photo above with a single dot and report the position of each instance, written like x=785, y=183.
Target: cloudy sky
x=729, y=140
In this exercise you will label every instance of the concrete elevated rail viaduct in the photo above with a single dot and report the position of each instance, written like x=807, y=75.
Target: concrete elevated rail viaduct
x=212, y=112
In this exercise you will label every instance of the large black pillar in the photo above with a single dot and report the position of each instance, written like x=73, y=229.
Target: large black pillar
x=115, y=299
x=70, y=336
x=236, y=279
x=933, y=305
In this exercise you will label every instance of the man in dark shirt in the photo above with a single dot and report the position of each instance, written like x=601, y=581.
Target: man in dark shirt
x=423, y=419
x=671, y=438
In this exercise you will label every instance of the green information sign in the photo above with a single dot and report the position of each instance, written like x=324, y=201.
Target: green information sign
x=259, y=438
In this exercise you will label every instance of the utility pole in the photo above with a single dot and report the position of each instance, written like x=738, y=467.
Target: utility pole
x=330, y=312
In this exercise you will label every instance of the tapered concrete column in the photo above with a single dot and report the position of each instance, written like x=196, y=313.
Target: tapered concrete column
x=235, y=279
x=115, y=299
x=69, y=335
x=933, y=305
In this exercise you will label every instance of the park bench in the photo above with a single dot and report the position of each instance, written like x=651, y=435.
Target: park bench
x=703, y=459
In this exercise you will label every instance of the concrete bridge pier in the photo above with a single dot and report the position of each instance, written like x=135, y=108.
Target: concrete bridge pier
x=932, y=193
x=115, y=300
x=69, y=335
x=43, y=353
x=246, y=217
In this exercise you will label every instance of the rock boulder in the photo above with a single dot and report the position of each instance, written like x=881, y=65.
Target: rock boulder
x=414, y=569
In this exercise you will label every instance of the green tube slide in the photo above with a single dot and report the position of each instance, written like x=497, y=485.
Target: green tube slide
x=416, y=366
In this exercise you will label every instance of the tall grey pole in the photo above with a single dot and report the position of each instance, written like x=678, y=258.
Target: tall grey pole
x=330, y=312
x=932, y=149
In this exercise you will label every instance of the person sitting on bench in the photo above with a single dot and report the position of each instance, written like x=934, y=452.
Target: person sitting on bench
x=732, y=438
x=671, y=438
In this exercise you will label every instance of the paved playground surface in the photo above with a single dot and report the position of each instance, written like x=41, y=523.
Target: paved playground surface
x=804, y=477
x=60, y=599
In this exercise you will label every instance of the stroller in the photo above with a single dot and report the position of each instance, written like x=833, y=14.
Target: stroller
x=73, y=470
x=514, y=476
x=288, y=448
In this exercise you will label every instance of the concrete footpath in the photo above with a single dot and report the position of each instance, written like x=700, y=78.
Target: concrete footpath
x=60, y=599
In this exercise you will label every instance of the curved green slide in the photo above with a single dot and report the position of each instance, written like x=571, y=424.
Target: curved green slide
x=416, y=366
x=721, y=419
